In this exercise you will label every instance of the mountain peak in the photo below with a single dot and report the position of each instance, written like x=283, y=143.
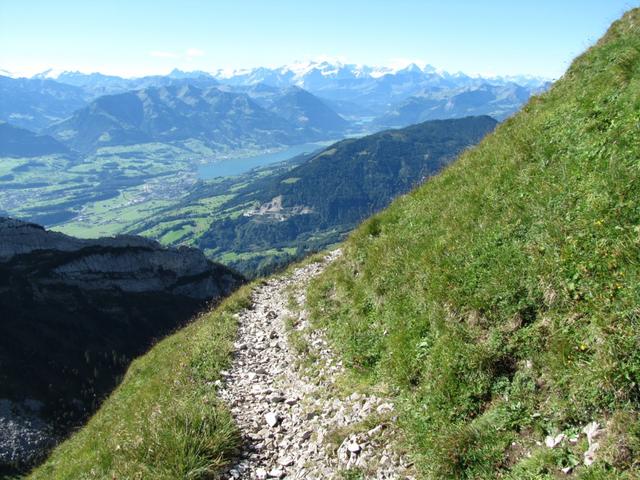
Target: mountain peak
x=177, y=74
x=48, y=73
x=411, y=68
x=310, y=74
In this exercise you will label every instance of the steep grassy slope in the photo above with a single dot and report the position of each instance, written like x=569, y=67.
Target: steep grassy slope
x=502, y=297
x=163, y=421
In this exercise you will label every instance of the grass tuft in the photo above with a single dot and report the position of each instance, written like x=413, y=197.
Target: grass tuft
x=163, y=421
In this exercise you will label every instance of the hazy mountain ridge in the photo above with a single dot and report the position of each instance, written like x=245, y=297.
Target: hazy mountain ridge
x=20, y=142
x=97, y=84
x=36, y=103
x=497, y=101
x=175, y=113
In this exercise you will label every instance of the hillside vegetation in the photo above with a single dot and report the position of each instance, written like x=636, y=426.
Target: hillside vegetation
x=163, y=421
x=502, y=298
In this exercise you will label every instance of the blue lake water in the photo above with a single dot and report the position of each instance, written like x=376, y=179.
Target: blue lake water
x=238, y=165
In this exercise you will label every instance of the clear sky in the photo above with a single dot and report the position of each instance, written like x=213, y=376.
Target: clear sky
x=139, y=37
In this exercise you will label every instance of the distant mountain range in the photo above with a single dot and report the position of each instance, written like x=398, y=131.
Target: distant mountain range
x=250, y=109
x=305, y=74
x=37, y=103
x=220, y=119
x=353, y=91
x=370, y=87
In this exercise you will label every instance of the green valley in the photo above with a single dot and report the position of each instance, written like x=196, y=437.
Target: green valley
x=100, y=193
x=255, y=221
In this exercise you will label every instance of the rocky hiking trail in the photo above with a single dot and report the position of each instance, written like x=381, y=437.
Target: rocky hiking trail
x=293, y=423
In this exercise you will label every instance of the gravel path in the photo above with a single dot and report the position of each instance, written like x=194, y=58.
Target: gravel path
x=294, y=424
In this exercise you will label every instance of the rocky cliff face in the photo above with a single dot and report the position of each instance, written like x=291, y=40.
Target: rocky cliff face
x=128, y=263
x=74, y=312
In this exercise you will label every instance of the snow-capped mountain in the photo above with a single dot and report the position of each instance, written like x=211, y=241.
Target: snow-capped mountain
x=298, y=73
x=372, y=87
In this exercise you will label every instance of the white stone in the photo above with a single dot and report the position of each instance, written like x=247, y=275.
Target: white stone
x=590, y=454
x=285, y=461
x=552, y=441
x=261, y=474
x=592, y=431
x=353, y=447
x=272, y=419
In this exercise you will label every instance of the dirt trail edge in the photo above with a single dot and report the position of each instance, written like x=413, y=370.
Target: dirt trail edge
x=292, y=422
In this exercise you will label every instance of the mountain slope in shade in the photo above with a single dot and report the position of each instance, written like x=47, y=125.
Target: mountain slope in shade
x=19, y=142
x=73, y=313
x=175, y=113
x=353, y=178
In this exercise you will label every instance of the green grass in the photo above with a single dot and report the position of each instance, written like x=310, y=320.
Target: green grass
x=502, y=297
x=106, y=192
x=163, y=421
x=231, y=256
x=290, y=180
x=352, y=474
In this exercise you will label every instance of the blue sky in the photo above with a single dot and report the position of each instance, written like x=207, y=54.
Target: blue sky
x=138, y=37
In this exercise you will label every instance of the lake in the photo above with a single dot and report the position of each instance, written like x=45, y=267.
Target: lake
x=238, y=165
